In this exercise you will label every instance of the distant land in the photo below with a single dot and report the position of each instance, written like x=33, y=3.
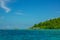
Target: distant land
x=48, y=24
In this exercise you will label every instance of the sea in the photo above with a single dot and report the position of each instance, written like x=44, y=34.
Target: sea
x=29, y=34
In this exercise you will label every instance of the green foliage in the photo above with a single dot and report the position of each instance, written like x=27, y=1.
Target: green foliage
x=49, y=24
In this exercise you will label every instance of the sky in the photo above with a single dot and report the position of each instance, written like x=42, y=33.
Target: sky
x=23, y=14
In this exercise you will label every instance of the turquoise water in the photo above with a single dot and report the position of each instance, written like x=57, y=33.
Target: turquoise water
x=29, y=34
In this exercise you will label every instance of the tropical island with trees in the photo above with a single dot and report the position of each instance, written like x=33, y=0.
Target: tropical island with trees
x=48, y=24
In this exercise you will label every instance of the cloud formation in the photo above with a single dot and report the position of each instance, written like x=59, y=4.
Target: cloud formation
x=20, y=12
x=2, y=5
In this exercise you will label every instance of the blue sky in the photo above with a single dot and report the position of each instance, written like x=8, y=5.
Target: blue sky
x=22, y=14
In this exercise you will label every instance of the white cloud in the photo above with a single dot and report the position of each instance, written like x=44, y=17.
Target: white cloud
x=2, y=5
x=19, y=12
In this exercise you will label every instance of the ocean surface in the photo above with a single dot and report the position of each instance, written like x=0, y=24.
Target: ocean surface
x=29, y=34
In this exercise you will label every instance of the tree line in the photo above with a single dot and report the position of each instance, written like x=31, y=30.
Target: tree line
x=48, y=24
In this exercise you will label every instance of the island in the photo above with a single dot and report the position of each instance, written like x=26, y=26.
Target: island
x=48, y=24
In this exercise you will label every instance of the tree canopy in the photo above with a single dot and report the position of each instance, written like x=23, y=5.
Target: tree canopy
x=48, y=24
